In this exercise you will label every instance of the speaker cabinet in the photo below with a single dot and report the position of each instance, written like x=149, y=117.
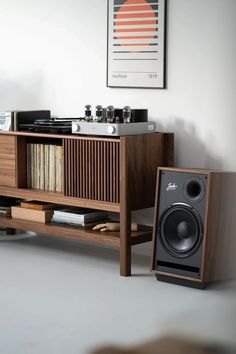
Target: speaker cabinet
x=194, y=226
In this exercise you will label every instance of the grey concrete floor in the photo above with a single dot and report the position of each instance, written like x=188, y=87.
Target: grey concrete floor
x=60, y=297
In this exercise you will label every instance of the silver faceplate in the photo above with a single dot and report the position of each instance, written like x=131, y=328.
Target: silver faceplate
x=113, y=129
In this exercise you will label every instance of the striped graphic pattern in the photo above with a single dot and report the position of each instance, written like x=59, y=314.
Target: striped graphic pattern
x=135, y=30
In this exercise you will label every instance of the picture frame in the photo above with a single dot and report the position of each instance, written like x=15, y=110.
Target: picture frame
x=6, y=121
x=136, y=43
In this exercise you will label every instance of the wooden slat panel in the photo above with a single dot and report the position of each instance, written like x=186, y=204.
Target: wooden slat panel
x=69, y=168
x=83, y=169
x=89, y=170
x=111, y=171
x=105, y=179
x=96, y=170
x=117, y=173
x=92, y=169
x=80, y=170
x=77, y=169
x=102, y=172
x=99, y=172
x=65, y=166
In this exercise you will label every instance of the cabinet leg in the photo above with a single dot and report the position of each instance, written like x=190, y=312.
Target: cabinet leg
x=125, y=244
x=10, y=231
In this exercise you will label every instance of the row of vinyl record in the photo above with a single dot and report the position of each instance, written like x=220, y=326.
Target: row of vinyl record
x=45, y=167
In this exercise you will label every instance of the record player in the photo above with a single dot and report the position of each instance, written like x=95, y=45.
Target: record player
x=50, y=125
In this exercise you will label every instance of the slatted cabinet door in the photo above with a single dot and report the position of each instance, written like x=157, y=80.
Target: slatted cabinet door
x=91, y=169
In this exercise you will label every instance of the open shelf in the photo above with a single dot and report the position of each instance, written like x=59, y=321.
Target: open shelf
x=58, y=198
x=59, y=231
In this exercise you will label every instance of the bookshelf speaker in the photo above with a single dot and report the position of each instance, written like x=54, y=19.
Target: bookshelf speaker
x=193, y=234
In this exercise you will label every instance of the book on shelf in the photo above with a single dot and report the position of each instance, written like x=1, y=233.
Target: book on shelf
x=5, y=211
x=52, y=168
x=78, y=215
x=59, y=169
x=42, y=166
x=37, y=205
x=32, y=166
x=45, y=167
x=37, y=166
x=41, y=216
x=85, y=225
x=5, y=205
x=29, y=164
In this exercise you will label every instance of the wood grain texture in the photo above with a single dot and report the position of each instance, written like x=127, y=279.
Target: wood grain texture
x=58, y=198
x=125, y=211
x=90, y=170
x=218, y=261
x=155, y=224
x=144, y=154
x=8, y=147
x=56, y=136
x=8, y=161
x=106, y=238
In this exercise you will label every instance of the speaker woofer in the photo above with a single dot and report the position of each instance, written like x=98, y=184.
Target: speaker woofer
x=180, y=229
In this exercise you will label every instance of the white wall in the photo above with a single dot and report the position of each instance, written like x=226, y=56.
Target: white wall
x=53, y=55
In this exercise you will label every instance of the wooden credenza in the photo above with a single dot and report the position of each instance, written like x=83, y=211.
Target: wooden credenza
x=111, y=174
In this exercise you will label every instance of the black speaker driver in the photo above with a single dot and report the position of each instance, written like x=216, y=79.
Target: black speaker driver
x=194, y=189
x=180, y=229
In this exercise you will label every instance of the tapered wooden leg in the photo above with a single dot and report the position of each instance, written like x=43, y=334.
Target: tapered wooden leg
x=125, y=243
x=10, y=231
x=125, y=213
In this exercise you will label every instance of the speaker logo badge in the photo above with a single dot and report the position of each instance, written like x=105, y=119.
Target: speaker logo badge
x=171, y=187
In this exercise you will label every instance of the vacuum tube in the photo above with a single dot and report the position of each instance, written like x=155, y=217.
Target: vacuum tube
x=98, y=114
x=126, y=114
x=110, y=114
x=88, y=113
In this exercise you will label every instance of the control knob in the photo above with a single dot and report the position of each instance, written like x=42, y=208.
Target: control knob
x=75, y=127
x=111, y=129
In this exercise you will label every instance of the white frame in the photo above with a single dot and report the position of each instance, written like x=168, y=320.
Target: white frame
x=136, y=58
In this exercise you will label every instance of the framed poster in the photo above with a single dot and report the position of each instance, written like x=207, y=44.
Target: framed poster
x=136, y=43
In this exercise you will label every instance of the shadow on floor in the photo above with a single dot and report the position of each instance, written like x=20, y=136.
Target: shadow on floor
x=82, y=249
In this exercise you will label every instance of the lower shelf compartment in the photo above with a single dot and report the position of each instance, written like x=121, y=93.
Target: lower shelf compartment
x=66, y=232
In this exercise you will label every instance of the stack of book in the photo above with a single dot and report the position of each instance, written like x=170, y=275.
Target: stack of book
x=6, y=204
x=85, y=218
x=33, y=211
x=5, y=211
x=45, y=167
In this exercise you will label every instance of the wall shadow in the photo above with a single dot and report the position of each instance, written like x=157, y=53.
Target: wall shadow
x=190, y=150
